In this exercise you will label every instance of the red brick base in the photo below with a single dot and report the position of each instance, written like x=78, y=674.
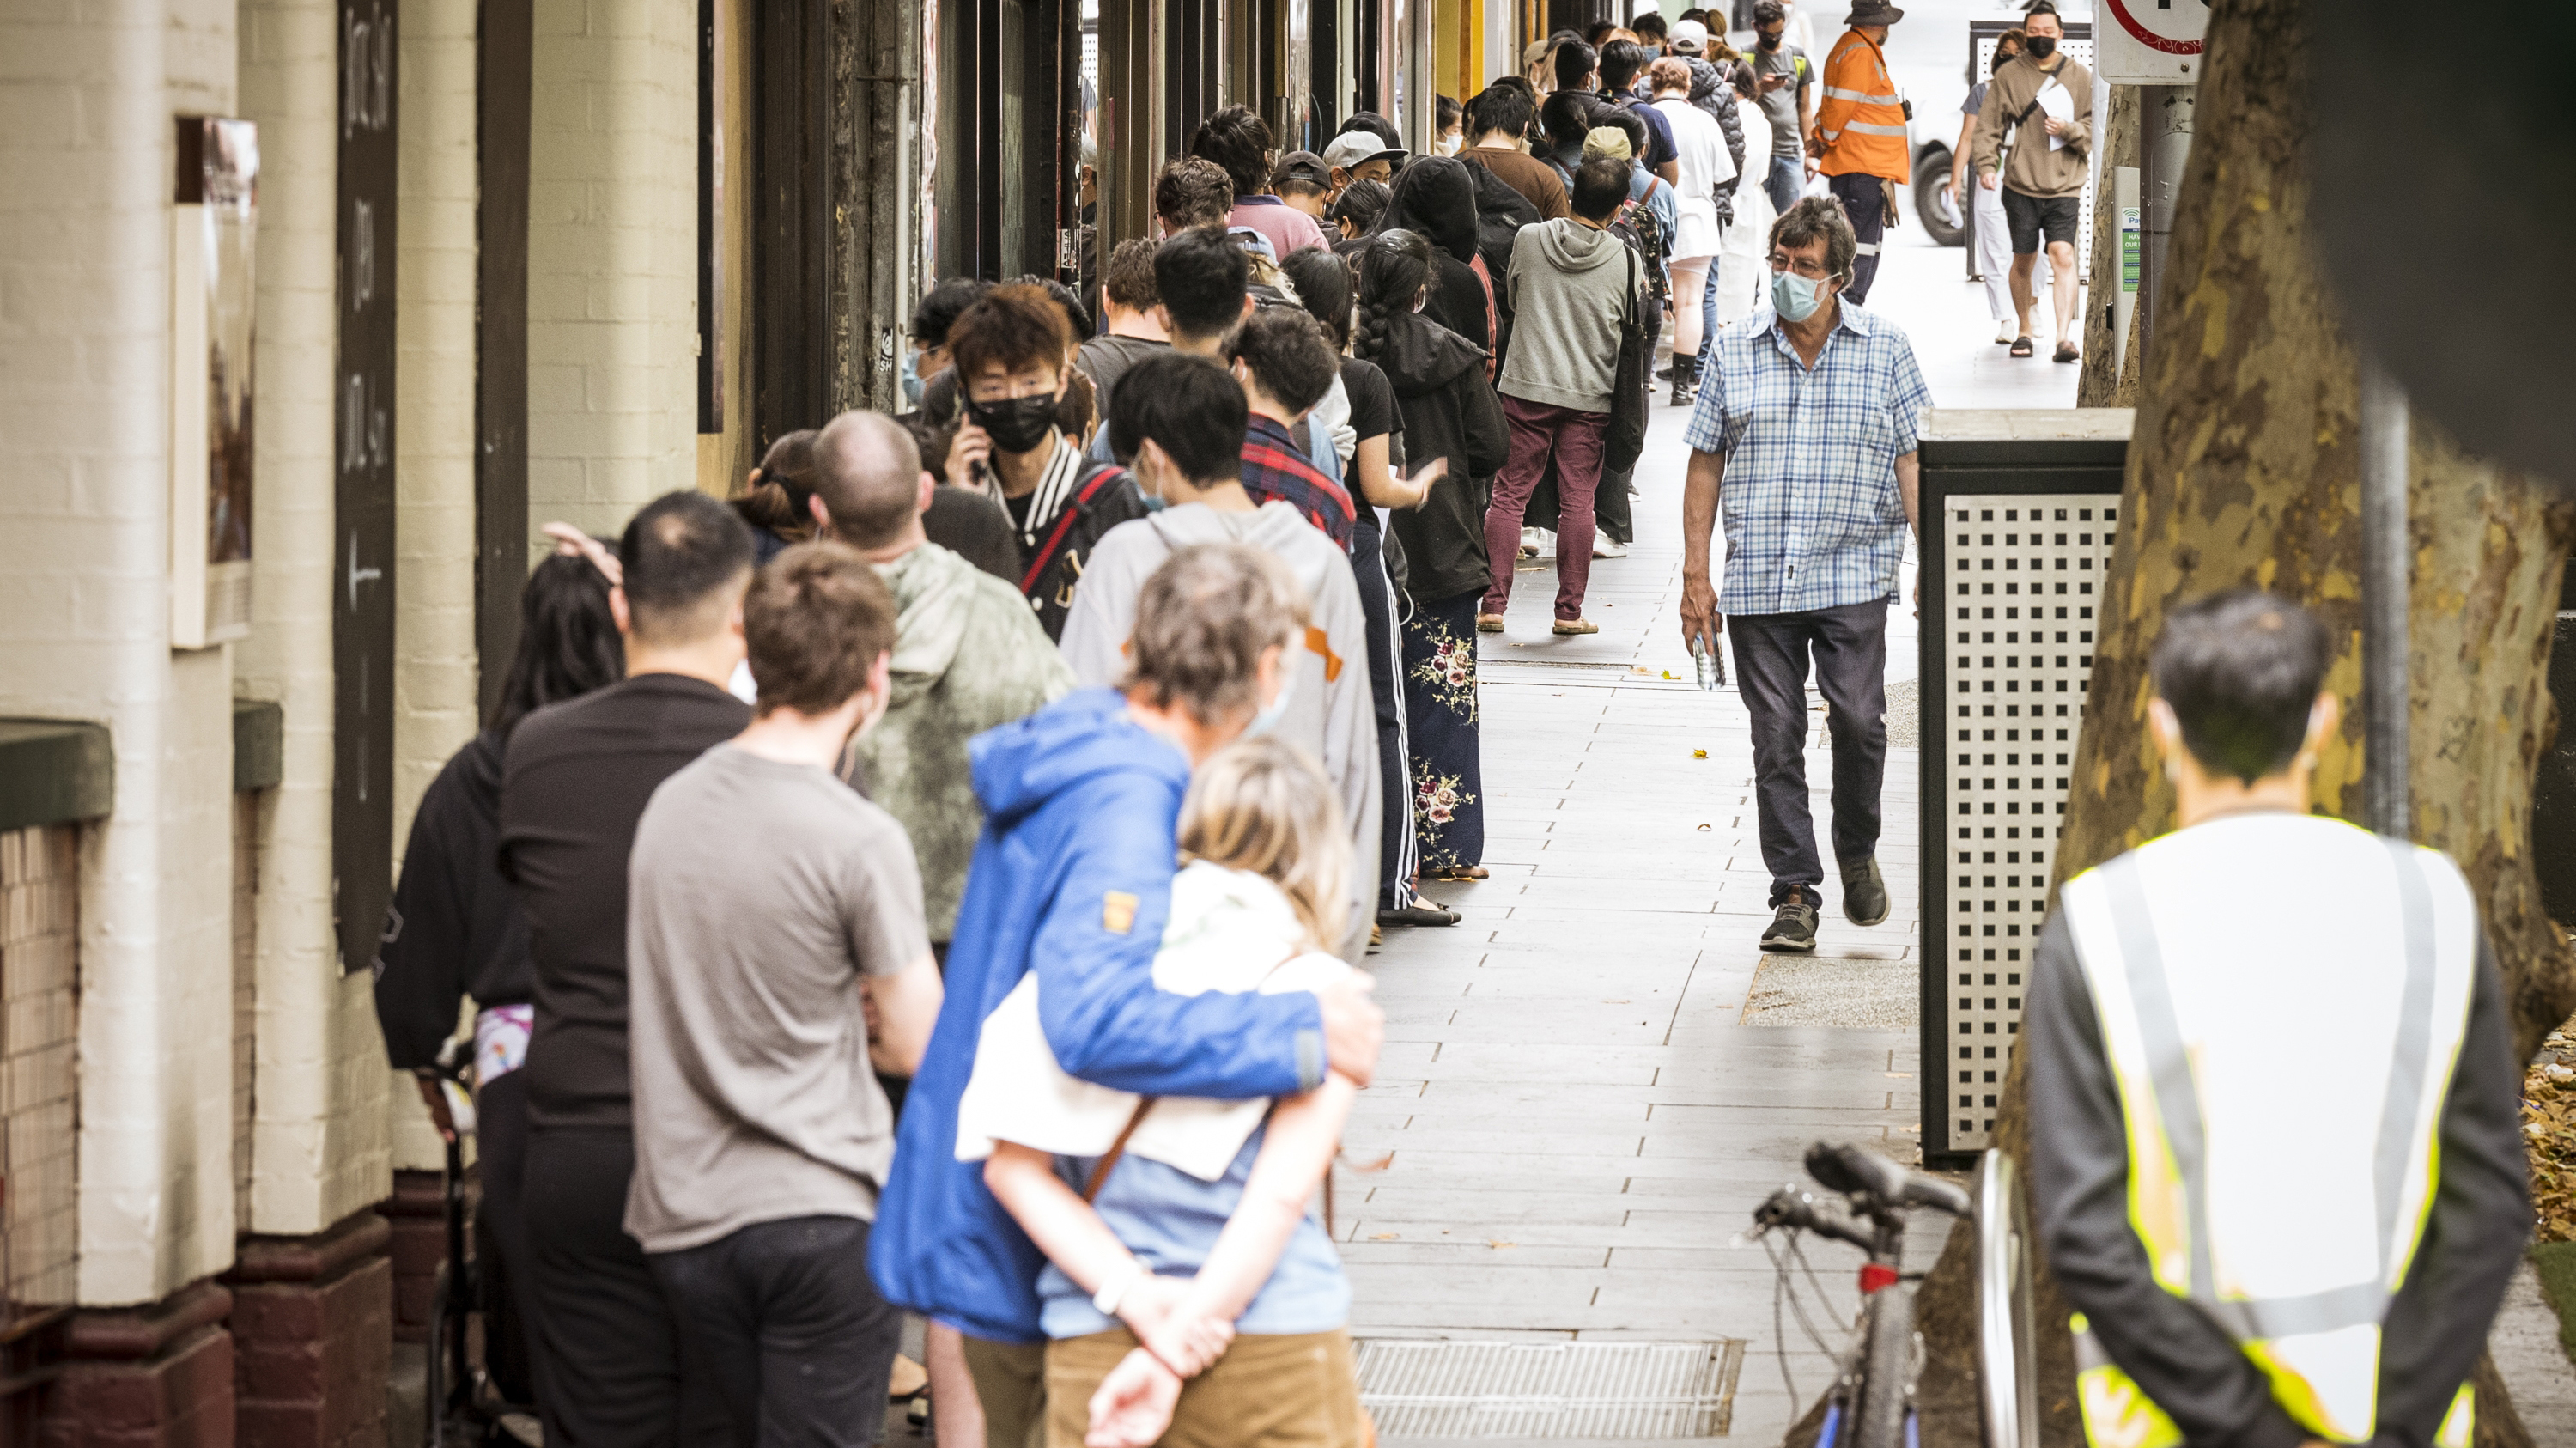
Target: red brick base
x=149, y=1377
x=418, y=1212
x=313, y=1336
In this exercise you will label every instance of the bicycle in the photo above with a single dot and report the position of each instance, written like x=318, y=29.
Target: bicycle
x=1872, y=1402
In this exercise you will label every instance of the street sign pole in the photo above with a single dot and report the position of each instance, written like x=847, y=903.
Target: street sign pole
x=2155, y=45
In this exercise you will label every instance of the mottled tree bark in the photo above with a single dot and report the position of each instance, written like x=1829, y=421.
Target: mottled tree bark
x=2244, y=469
x=2105, y=383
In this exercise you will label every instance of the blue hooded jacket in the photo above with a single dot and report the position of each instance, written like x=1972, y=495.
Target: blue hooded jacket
x=1072, y=879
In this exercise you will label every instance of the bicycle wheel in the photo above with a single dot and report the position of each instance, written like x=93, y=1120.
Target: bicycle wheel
x=2007, y=1379
x=1891, y=1363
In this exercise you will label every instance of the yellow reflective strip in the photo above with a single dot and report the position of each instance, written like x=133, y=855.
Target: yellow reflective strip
x=2302, y=1401
x=2460, y=1425
x=1840, y=94
x=2118, y=1414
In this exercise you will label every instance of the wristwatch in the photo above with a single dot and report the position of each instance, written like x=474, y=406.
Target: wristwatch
x=1115, y=1290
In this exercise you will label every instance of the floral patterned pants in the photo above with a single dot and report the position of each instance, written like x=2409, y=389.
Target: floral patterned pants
x=1440, y=716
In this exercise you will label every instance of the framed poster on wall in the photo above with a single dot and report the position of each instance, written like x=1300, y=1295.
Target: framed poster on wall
x=213, y=234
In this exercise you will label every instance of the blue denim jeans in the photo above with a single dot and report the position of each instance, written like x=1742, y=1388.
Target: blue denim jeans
x=1708, y=302
x=1787, y=181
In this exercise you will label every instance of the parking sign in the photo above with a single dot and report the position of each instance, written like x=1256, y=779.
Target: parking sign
x=2151, y=42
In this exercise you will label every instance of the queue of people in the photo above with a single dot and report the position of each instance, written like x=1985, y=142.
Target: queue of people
x=814, y=882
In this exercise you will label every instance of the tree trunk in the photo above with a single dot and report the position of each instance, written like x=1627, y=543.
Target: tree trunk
x=2244, y=468
x=2105, y=383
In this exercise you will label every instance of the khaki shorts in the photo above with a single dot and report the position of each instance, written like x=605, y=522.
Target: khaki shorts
x=1298, y=1391
x=1010, y=1385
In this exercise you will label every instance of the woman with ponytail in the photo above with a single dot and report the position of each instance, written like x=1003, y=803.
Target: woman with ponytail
x=777, y=500
x=1451, y=418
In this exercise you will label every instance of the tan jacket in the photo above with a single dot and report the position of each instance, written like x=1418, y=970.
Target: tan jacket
x=2036, y=168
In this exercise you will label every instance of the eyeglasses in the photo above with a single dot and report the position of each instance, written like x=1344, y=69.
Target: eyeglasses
x=1807, y=267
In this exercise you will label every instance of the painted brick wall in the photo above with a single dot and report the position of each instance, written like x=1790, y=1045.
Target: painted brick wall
x=85, y=176
x=434, y=665
x=319, y=1148
x=612, y=244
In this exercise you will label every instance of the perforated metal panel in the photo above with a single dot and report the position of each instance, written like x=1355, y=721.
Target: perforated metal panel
x=2022, y=579
x=1549, y=1391
x=2017, y=545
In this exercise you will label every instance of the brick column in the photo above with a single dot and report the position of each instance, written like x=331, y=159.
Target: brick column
x=159, y=1376
x=313, y=1336
x=418, y=1213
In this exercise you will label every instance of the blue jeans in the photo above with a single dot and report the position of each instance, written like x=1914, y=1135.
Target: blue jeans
x=1708, y=305
x=1787, y=181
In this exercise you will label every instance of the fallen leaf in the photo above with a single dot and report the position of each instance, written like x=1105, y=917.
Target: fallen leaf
x=1383, y=1237
x=1502, y=1246
x=1703, y=829
x=1668, y=674
x=1699, y=754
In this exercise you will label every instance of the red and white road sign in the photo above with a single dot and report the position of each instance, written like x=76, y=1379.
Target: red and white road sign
x=2151, y=42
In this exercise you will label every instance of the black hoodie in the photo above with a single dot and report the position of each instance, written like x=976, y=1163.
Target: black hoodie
x=1436, y=196
x=454, y=928
x=1450, y=412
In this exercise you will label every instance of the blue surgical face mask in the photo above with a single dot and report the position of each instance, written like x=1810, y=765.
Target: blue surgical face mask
x=1268, y=716
x=911, y=376
x=1795, y=297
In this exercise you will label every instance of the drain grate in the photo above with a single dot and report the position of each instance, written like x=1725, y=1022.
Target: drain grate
x=1418, y=1388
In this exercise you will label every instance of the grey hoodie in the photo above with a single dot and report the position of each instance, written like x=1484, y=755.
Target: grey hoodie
x=1568, y=286
x=968, y=656
x=1331, y=711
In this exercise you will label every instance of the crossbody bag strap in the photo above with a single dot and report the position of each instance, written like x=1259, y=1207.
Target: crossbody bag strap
x=1064, y=524
x=1109, y=1159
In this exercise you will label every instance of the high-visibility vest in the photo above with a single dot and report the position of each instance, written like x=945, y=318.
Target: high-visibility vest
x=1861, y=120
x=2282, y=1196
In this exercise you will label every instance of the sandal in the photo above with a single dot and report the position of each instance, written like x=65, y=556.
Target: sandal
x=2066, y=352
x=2022, y=347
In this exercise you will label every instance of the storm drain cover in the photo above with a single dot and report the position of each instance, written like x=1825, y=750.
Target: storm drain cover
x=1418, y=1388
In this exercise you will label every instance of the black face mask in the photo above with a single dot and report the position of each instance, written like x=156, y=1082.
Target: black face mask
x=2040, y=47
x=1017, y=424
x=1771, y=42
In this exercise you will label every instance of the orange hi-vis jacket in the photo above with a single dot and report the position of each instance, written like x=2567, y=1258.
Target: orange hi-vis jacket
x=1861, y=122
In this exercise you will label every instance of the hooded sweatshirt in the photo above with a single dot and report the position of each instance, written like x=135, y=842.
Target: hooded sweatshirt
x=1449, y=412
x=968, y=656
x=1330, y=710
x=1436, y=196
x=455, y=928
x=1569, y=293
x=1072, y=882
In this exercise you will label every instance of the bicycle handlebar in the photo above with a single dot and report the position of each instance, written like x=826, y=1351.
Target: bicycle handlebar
x=1848, y=1169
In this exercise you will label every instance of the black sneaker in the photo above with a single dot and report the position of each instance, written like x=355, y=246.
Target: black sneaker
x=1793, y=925
x=1864, y=893
x=1420, y=912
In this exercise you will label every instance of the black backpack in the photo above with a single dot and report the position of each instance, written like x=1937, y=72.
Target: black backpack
x=1501, y=212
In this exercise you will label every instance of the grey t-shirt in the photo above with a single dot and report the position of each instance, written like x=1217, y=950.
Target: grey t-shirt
x=1780, y=107
x=759, y=894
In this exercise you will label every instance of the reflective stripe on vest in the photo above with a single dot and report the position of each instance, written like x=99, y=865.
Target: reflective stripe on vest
x=1860, y=118
x=2284, y=1201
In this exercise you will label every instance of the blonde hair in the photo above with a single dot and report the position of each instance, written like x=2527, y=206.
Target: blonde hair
x=1261, y=805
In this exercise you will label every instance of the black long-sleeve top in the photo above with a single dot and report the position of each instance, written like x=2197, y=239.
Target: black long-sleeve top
x=454, y=927
x=2435, y=1327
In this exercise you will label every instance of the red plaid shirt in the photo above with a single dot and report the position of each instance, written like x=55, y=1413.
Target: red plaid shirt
x=1273, y=467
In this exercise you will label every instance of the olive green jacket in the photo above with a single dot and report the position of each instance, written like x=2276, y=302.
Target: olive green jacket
x=968, y=656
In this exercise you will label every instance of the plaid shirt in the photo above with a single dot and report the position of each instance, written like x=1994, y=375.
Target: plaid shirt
x=1813, y=518
x=1274, y=468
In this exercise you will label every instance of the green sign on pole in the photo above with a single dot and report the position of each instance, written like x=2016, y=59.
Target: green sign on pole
x=2129, y=248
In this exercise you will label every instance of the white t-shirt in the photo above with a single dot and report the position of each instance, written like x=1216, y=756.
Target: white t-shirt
x=1701, y=146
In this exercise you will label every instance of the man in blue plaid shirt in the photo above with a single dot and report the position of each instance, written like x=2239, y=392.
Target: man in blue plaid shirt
x=1807, y=416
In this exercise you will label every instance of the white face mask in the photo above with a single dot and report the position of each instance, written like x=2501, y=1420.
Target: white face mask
x=1268, y=716
x=1448, y=145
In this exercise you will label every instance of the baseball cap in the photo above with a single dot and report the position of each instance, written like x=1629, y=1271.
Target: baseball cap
x=1353, y=148
x=1609, y=141
x=1688, y=37
x=1302, y=166
x=1535, y=51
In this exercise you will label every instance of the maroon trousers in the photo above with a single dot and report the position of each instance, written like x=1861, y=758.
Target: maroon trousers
x=1573, y=437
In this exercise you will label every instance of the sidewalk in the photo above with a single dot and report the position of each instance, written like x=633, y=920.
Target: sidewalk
x=1578, y=1116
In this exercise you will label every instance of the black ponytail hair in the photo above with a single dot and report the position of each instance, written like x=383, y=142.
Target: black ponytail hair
x=1323, y=282
x=1395, y=267
x=568, y=641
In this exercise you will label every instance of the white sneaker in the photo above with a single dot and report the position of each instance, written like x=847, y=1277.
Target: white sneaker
x=1605, y=546
x=2004, y=334
x=1529, y=542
